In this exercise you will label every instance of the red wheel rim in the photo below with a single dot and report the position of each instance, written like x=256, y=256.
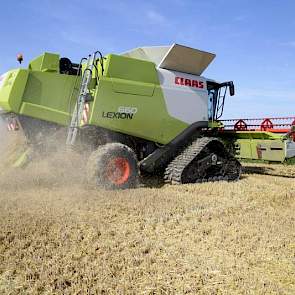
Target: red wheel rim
x=118, y=170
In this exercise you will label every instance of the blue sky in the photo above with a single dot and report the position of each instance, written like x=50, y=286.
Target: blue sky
x=254, y=40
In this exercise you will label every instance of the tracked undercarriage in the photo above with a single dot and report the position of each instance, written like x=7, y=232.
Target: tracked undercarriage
x=206, y=159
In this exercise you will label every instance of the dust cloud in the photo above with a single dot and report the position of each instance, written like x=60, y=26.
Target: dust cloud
x=209, y=238
x=10, y=144
x=3, y=138
x=59, y=237
x=54, y=167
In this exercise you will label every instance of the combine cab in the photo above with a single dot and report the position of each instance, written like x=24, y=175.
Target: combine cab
x=148, y=111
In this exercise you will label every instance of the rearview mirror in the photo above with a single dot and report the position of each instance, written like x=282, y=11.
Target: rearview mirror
x=231, y=88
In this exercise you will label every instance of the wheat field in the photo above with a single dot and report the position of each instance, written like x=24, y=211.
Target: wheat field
x=59, y=236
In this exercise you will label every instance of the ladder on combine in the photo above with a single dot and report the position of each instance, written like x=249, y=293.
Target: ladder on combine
x=83, y=98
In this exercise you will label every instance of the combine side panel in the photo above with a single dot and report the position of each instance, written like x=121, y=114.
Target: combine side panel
x=129, y=99
x=12, y=87
x=47, y=95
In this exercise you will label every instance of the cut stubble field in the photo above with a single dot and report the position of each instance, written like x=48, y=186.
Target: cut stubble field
x=59, y=236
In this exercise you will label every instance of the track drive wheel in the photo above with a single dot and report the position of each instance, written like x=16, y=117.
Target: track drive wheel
x=113, y=166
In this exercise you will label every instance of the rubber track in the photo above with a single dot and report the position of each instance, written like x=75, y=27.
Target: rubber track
x=174, y=170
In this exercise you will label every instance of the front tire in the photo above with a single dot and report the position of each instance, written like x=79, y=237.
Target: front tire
x=113, y=166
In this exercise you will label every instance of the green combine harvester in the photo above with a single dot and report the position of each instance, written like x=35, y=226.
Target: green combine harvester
x=147, y=111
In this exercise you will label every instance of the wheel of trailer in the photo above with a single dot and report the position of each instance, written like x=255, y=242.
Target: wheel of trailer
x=113, y=166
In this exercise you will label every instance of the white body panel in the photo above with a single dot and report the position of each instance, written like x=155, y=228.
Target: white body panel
x=152, y=53
x=186, y=95
x=174, y=57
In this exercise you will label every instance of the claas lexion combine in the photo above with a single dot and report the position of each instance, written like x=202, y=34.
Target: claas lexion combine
x=147, y=111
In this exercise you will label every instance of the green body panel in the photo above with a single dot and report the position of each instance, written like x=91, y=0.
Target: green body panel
x=215, y=124
x=23, y=159
x=151, y=121
x=47, y=97
x=268, y=150
x=47, y=62
x=253, y=135
x=40, y=91
x=43, y=93
x=12, y=89
x=133, y=83
x=126, y=68
x=257, y=145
